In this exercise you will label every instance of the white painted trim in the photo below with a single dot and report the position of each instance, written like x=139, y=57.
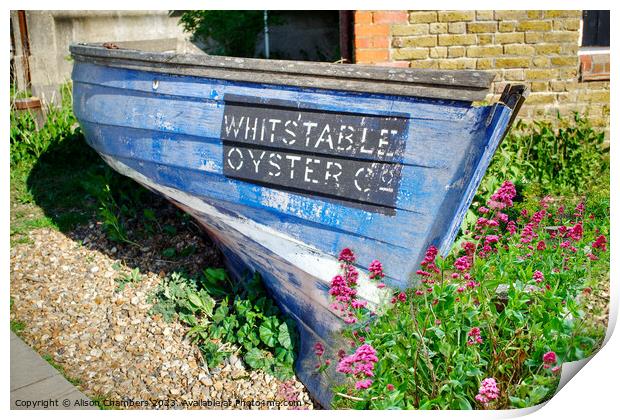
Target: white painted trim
x=593, y=50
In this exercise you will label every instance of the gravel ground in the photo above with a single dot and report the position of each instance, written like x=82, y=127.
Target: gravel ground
x=64, y=289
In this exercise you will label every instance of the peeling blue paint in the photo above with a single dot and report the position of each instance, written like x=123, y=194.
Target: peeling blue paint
x=169, y=132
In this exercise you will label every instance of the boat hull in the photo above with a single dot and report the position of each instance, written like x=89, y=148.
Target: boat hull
x=180, y=135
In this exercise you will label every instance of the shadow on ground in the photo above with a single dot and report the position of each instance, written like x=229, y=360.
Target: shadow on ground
x=67, y=183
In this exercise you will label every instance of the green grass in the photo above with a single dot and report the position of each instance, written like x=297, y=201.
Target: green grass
x=48, y=167
x=59, y=182
x=17, y=326
x=49, y=359
x=49, y=193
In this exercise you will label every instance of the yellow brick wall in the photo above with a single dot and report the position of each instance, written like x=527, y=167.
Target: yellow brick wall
x=535, y=47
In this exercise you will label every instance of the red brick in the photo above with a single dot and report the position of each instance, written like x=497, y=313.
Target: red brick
x=363, y=16
x=390, y=16
x=371, y=56
x=363, y=30
x=372, y=42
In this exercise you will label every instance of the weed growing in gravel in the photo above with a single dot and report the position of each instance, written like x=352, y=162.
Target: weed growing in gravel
x=49, y=359
x=223, y=315
x=17, y=326
x=132, y=278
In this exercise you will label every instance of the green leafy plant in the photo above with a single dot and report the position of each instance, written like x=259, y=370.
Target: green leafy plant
x=490, y=325
x=28, y=143
x=545, y=158
x=234, y=31
x=563, y=159
x=133, y=277
x=224, y=316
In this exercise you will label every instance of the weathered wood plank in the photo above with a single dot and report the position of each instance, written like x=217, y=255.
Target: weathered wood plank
x=445, y=84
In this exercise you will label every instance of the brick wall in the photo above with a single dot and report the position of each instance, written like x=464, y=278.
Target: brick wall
x=538, y=48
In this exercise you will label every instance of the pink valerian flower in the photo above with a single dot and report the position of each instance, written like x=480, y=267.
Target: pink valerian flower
x=340, y=290
x=549, y=359
x=579, y=209
x=592, y=257
x=600, y=243
x=351, y=274
x=363, y=384
x=502, y=198
x=565, y=244
x=380, y=285
x=462, y=263
x=361, y=363
x=541, y=246
x=429, y=260
x=511, y=227
x=469, y=248
x=376, y=270
x=544, y=203
x=319, y=349
x=527, y=234
x=538, y=217
x=576, y=232
x=472, y=284
x=488, y=391
x=538, y=276
x=483, y=210
x=481, y=223
x=347, y=256
x=402, y=297
x=390, y=387
x=474, y=336
x=502, y=217
x=358, y=304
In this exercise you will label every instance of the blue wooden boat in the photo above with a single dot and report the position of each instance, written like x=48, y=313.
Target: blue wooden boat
x=286, y=163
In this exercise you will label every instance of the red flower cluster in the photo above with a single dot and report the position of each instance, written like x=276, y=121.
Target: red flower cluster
x=474, y=336
x=346, y=256
x=376, y=270
x=360, y=364
x=600, y=243
x=503, y=196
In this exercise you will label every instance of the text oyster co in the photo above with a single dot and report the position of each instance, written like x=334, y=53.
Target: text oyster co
x=344, y=136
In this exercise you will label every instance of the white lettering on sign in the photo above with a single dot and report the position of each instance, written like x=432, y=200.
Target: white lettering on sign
x=355, y=157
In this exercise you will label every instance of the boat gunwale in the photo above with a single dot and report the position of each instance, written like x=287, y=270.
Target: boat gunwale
x=456, y=85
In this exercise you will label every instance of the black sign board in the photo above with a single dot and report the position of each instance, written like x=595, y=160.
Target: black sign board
x=346, y=156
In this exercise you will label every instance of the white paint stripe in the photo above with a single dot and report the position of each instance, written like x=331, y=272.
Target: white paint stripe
x=304, y=256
